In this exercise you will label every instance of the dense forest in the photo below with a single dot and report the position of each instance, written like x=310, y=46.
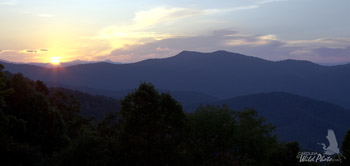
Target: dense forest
x=39, y=126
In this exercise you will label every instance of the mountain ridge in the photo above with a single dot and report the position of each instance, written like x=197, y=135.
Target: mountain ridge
x=220, y=74
x=297, y=118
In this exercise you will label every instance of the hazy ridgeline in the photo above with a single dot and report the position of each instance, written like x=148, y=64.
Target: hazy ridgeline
x=42, y=127
x=302, y=99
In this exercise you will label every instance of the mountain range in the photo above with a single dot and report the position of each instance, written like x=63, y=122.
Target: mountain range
x=302, y=99
x=219, y=74
x=296, y=118
x=62, y=64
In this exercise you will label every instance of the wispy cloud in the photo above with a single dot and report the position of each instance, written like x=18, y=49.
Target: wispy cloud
x=25, y=55
x=147, y=18
x=244, y=7
x=45, y=15
x=263, y=46
x=140, y=31
x=144, y=27
x=8, y=2
x=270, y=1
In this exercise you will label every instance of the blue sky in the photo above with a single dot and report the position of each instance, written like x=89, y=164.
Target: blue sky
x=130, y=31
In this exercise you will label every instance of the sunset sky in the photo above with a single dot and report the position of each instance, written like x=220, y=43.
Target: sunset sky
x=130, y=31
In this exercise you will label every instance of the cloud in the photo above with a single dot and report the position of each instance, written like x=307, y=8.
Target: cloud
x=251, y=40
x=326, y=42
x=45, y=15
x=31, y=51
x=217, y=40
x=244, y=8
x=26, y=55
x=153, y=25
x=141, y=30
x=8, y=2
x=147, y=18
x=333, y=52
x=35, y=50
x=263, y=46
x=270, y=1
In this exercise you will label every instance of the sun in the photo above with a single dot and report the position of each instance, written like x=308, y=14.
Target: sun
x=55, y=60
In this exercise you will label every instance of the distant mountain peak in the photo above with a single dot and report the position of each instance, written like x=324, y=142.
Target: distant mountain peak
x=221, y=53
x=186, y=52
x=294, y=61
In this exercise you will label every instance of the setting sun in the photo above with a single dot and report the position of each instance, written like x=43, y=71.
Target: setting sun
x=55, y=60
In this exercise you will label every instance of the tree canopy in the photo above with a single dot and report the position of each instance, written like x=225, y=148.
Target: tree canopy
x=43, y=127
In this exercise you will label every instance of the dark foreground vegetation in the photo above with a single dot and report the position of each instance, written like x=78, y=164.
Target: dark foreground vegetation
x=42, y=127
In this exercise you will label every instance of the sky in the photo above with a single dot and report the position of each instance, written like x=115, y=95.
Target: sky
x=130, y=31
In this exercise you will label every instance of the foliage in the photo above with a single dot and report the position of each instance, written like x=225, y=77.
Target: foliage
x=40, y=126
x=220, y=136
x=346, y=148
x=152, y=128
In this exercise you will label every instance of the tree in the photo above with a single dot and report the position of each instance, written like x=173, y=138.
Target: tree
x=152, y=127
x=220, y=136
x=88, y=149
x=3, y=90
x=69, y=109
x=212, y=131
x=254, y=138
x=346, y=148
x=12, y=130
x=41, y=87
x=285, y=154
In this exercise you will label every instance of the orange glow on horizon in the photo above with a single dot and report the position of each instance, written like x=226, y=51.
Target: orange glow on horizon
x=55, y=60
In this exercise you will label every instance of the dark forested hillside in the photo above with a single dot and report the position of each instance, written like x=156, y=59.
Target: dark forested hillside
x=42, y=127
x=187, y=98
x=96, y=107
x=296, y=117
x=220, y=74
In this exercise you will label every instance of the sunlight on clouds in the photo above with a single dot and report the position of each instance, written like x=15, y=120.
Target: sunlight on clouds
x=147, y=26
x=270, y=1
x=156, y=31
x=140, y=30
x=145, y=20
x=321, y=42
x=149, y=18
x=302, y=52
x=239, y=42
x=45, y=15
x=144, y=26
x=251, y=40
x=43, y=55
x=268, y=37
x=26, y=55
x=244, y=8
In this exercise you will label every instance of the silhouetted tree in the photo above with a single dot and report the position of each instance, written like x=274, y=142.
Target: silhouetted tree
x=44, y=127
x=152, y=126
x=212, y=136
x=220, y=136
x=285, y=154
x=88, y=148
x=346, y=148
x=41, y=87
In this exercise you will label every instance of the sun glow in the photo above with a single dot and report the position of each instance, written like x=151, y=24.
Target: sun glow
x=55, y=60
